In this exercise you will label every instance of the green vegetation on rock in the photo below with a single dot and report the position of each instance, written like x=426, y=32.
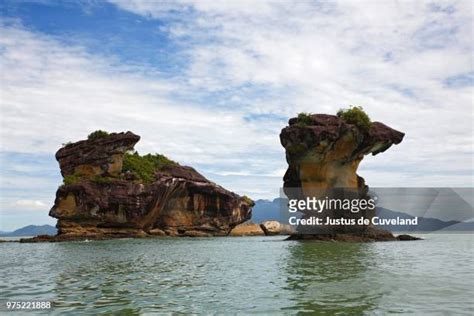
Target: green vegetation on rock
x=71, y=179
x=102, y=180
x=304, y=119
x=145, y=167
x=357, y=116
x=97, y=134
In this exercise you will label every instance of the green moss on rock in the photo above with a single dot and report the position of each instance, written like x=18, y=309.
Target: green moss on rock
x=304, y=119
x=103, y=180
x=72, y=179
x=145, y=167
x=97, y=134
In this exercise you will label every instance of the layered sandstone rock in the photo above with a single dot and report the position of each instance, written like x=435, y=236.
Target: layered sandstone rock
x=248, y=228
x=271, y=228
x=323, y=154
x=327, y=152
x=99, y=200
x=266, y=228
x=101, y=156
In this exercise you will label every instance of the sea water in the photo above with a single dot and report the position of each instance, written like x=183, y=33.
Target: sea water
x=242, y=275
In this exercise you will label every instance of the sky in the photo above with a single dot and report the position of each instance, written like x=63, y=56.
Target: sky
x=211, y=83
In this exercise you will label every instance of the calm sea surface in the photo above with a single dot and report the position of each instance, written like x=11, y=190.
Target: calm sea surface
x=248, y=275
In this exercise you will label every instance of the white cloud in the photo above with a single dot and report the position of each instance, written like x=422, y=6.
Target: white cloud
x=249, y=59
x=30, y=204
x=391, y=57
x=56, y=93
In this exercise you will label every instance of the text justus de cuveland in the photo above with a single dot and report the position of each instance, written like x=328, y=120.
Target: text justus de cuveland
x=312, y=205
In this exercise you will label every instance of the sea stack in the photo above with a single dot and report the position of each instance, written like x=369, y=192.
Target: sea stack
x=109, y=191
x=323, y=153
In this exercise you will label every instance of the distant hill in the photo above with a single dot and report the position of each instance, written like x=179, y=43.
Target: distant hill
x=462, y=226
x=31, y=230
x=265, y=210
x=424, y=224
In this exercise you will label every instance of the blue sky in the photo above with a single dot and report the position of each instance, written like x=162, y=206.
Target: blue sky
x=211, y=84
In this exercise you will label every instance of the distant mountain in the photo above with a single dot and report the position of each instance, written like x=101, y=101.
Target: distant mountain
x=463, y=226
x=31, y=230
x=265, y=210
x=424, y=224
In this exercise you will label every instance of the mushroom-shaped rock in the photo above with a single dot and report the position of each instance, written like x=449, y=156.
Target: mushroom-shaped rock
x=323, y=153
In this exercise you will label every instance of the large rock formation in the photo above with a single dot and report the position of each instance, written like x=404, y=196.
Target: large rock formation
x=100, y=200
x=327, y=152
x=323, y=153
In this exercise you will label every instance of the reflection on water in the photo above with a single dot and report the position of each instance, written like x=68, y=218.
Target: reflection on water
x=242, y=275
x=331, y=277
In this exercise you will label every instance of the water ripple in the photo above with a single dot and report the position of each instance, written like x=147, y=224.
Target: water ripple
x=242, y=275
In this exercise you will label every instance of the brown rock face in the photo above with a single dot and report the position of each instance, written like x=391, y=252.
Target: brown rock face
x=271, y=228
x=102, y=156
x=327, y=152
x=105, y=202
x=324, y=154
